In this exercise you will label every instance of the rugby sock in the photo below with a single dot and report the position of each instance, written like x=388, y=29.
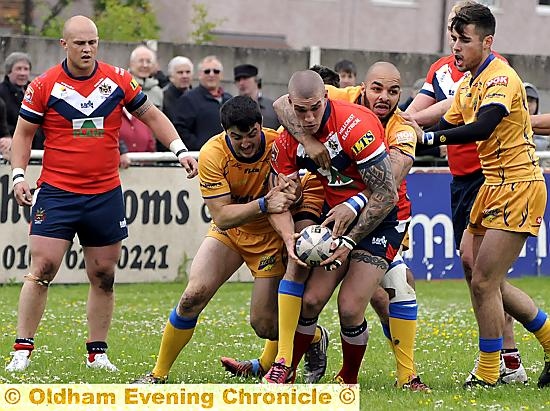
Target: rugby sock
x=354, y=344
x=387, y=334
x=488, y=367
x=94, y=348
x=176, y=335
x=290, y=304
x=268, y=354
x=305, y=333
x=540, y=326
x=403, y=333
x=24, y=344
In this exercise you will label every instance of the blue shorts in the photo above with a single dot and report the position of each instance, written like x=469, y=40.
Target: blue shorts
x=97, y=219
x=464, y=191
x=384, y=241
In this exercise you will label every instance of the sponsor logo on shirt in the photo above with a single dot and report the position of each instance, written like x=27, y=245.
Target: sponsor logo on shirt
x=405, y=136
x=88, y=127
x=497, y=81
x=134, y=84
x=363, y=143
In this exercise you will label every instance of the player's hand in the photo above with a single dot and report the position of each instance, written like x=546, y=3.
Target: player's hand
x=290, y=243
x=342, y=216
x=290, y=184
x=340, y=249
x=124, y=161
x=190, y=165
x=22, y=194
x=278, y=201
x=407, y=118
x=317, y=152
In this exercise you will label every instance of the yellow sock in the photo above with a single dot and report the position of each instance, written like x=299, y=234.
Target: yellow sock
x=403, y=333
x=317, y=336
x=268, y=354
x=543, y=335
x=173, y=341
x=488, y=367
x=289, y=313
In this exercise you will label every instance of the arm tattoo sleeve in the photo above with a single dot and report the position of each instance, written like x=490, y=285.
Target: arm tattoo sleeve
x=400, y=165
x=140, y=111
x=288, y=119
x=379, y=179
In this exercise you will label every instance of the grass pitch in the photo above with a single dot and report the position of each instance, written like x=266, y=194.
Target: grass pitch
x=446, y=344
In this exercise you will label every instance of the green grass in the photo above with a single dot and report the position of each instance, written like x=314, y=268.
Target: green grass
x=446, y=344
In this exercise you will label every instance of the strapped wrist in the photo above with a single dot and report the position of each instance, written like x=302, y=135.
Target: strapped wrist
x=178, y=148
x=262, y=202
x=357, y=203
x=428, y=138
x=18, y=176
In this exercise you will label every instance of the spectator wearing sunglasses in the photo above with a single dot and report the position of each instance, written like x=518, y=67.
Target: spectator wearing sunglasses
x=197, y=112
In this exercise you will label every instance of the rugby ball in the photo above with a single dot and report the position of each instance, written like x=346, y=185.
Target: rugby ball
x=313, y=245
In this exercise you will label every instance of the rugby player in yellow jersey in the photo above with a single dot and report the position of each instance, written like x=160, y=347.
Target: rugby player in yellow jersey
x=490, y=107
x=233, y=171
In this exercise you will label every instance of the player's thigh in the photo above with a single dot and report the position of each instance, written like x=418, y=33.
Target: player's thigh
x=497, y=252
x=212, y=265
x=101, y=259
x=319, y=288
x=359, y=285
x=46, y=255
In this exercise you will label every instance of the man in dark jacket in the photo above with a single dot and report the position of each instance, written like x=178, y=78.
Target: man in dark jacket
x=197, y=112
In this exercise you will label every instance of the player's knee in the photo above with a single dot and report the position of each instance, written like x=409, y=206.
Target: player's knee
x=191, y=303
x=104, y=279
x=481, y=285
x=396, y=285
x=265, y=328
x=312, y=304
x=44, y=270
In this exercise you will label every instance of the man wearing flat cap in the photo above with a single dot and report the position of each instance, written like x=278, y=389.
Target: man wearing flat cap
x=249, y=84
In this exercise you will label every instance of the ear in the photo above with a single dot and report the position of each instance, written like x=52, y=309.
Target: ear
x=488, y=42
x=63, y=43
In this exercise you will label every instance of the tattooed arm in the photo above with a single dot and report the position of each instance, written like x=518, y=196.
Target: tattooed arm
x=314, y=149
x=379, y=179
x=400, y=165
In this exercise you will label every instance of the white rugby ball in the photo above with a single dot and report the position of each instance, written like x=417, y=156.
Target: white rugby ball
x=313, y=245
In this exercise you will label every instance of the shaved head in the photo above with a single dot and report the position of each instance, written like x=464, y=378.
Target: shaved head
x=382, y=69
x=77, y=24
x=305, y=84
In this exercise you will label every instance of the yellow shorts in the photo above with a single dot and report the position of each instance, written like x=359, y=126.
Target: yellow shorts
x=313, y=198
x=262, y=253
x=517, y=207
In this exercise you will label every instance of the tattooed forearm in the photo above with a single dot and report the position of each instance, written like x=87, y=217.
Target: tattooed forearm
x=400, y=165
x=288, y=118
x=364, y=257
x=142, y=109
x=379, y=179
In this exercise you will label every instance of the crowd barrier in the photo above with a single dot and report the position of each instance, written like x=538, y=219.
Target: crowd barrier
x=167, y=221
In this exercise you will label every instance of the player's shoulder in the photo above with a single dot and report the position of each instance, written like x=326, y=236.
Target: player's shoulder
x=270, y=135
x=442, y=61
x=50, y=76
x=498, y=72
x=214, y=147
x=399, y=132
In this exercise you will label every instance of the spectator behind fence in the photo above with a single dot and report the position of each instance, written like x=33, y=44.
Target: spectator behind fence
x=18, y=69
x=180, y=73
x=347, y=71
x=136, y=135
x=197, y=114
x=533, y=105
x=5, y=138
x=143, y=66
x=249, y=84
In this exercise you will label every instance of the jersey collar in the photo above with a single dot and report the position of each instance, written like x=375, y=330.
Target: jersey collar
x=488, y=60
x=325, y=118
x=250, y=160
x=66, y=70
